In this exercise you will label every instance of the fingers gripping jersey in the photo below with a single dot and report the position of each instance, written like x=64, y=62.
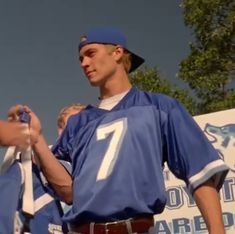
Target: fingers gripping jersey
x=117, y=156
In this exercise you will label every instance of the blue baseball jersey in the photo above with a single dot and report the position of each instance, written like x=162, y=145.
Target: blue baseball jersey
x=10, y=192
x=117, y=156
x=48, y=212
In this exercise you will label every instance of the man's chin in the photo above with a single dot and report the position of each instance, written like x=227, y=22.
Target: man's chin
x=94, y=83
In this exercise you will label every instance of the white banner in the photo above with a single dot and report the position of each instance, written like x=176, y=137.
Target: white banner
x=181, y=214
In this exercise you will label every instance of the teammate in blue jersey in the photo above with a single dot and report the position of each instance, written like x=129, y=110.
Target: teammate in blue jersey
x=118, y=149
x=48, y=209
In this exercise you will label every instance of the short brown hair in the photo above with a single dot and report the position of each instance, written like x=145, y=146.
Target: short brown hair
x=126, y=58
x=64, y=112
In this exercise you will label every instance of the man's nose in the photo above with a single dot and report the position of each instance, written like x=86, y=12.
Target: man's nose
x=85, y=62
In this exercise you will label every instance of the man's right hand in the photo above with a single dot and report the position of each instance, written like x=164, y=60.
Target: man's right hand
x=14, y=134
x=34, y=125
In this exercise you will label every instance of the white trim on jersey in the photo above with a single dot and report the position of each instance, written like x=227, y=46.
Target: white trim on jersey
x=42, y=201
x=11, y=155
x=208, y=169
x=28, y=200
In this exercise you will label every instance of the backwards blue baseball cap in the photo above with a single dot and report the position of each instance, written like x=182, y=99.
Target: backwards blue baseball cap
x=111, y=36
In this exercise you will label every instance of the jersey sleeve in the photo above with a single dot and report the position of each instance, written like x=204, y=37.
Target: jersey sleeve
x=190, y=156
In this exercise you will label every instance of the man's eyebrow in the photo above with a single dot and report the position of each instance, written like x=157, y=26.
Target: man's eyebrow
x=90, y=50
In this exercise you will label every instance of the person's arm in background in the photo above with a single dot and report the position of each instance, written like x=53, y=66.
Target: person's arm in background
x=207, y=199
x=55, y=173
x=14, y=134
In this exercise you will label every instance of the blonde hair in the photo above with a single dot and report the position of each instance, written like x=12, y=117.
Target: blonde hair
x=61, y=120
x=126, y=58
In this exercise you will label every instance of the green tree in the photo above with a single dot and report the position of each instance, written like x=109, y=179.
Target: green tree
x=210, y=68
x=149, y=79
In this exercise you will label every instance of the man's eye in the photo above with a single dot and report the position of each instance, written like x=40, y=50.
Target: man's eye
x=92, y=53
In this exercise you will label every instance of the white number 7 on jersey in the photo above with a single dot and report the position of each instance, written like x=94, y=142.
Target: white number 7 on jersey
x=118, y=128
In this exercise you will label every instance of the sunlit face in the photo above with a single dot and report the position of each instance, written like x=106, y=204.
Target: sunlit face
x=97, y=63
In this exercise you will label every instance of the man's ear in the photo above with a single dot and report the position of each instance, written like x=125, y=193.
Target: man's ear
x=118, y=53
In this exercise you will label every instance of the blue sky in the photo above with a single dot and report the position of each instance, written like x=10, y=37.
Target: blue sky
x=38, y=44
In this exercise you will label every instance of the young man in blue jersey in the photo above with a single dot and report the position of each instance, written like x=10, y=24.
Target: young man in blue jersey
x=118, y=149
